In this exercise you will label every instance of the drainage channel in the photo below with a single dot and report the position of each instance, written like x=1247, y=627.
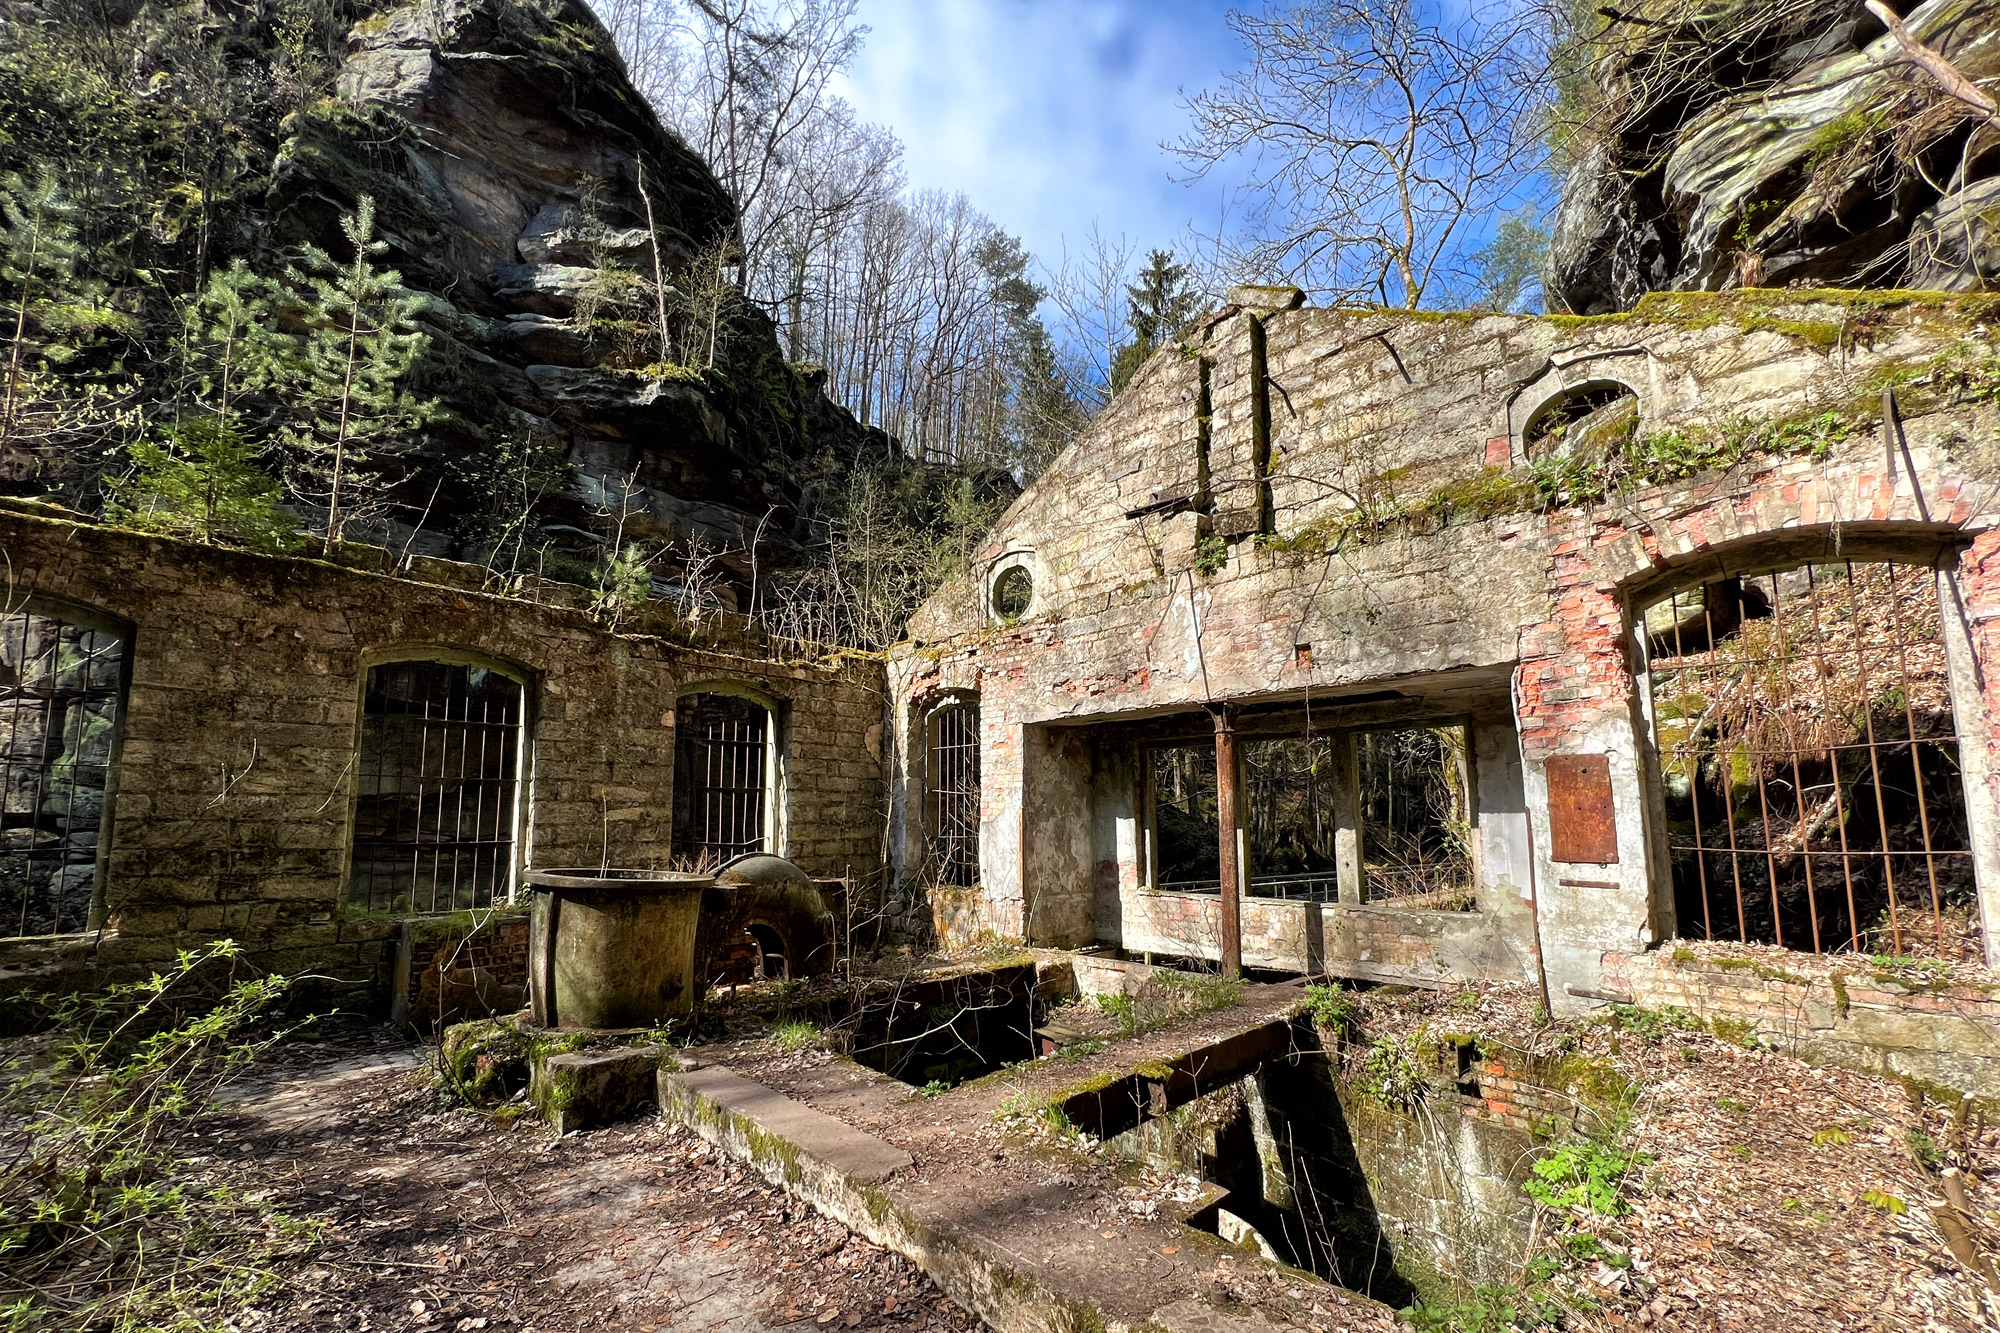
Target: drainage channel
x=937, y=1033
x=1026, y=1231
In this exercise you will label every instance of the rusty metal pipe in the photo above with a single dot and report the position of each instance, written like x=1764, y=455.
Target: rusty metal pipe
x=1229, y=872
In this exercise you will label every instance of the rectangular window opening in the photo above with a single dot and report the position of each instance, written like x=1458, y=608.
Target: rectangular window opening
x=436, y=816
x=1416, y=817
x=61, y=692
x=1409, y=802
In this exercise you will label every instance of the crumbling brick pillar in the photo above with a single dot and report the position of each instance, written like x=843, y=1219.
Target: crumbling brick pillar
x=1575, y=698
x=1970, y=600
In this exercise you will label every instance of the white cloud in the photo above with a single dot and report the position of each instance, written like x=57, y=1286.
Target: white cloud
x=1048, y=114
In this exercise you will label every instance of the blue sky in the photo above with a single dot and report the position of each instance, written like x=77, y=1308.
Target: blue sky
x=1047, y=114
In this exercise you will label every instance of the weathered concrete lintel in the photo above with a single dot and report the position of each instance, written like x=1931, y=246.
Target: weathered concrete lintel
x=1155, y=1088
x=837, y=1145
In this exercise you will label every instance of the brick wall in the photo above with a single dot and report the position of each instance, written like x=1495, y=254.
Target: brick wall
x=1481, y=600
x=466, y=966
x=1841, y=1010
x=235, y=781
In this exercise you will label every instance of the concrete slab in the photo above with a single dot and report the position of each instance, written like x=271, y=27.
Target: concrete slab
x=1029, y=1231
x=835, y=1145
x=1156, y=1087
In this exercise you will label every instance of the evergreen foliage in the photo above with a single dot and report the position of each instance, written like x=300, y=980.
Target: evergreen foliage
x=1043, y=412
x=1508, y=273
x=1161, y=306
x=350, y=400
x=204, y=483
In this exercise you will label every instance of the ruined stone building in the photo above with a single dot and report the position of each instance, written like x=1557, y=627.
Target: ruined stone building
x=1533, y=641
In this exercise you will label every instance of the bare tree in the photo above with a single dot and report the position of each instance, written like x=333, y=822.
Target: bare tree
x=882, y=288
x=1089, y=292
x=1374, y=137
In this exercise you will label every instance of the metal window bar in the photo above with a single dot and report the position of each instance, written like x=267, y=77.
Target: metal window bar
x=724, y=744
x=1810, y=761
x=955, y=794
x=60, y=687
x=434, y=827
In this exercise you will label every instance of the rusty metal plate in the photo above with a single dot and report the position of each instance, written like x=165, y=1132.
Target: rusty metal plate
x=1581, y=827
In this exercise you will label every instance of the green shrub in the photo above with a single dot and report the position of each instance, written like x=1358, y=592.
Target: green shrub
x=1583, y=1175
x=1331, y=1007
x=1651, y=1025
x=1491, y=1309
x=103, y=1224
x=1390, y=1075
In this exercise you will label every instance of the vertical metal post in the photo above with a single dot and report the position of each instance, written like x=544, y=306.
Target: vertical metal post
x=1227, y=789
x=1345, y=779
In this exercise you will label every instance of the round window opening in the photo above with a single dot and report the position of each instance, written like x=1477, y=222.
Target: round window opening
x=1013, y=591
x=1579, y=415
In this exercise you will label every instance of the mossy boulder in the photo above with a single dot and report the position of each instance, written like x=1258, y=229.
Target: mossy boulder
x=487, y=1062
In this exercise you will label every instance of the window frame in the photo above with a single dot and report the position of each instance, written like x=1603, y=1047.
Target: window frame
x=776, y=774
x=85, y=616
x=930, y=722
x=520, y=816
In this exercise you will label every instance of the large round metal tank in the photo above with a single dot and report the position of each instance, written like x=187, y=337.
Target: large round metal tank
x=613, y=948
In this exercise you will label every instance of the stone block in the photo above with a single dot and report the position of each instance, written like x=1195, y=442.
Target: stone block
x=586, y=1089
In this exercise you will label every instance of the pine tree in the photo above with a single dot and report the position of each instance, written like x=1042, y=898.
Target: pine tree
x=203, y=481
x=38, y=254
x=347, y=387
x=230, y=340
x=1044, y=414
x=1159, y=309
x=1510, y=269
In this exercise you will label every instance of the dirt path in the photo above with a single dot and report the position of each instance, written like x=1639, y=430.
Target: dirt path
x=438, y=1218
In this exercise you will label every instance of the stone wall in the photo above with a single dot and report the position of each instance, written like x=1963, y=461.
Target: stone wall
x=1898, y=1022
x=1372, y=543
x=235, y=778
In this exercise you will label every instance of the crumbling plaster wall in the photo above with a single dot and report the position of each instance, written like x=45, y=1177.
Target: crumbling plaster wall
x=1403, y=546
x=236, y=777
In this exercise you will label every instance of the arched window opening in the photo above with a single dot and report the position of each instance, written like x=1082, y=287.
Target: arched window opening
x=1588, y=413
x=436, y=817
x=722, y=767
x=61, y=691
x=954, y=793
x=770, y=953
x=1809, y=761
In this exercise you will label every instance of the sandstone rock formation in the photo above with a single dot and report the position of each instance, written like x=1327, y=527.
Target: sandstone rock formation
x=505, y=148
x=1767, y=142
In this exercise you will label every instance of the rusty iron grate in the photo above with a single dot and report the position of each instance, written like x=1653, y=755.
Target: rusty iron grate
x=720, y=779
x=954, y=787
x=60, y=698
x=1809, y=761
x=434, y=823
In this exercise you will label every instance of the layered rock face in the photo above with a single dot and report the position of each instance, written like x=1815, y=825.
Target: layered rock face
x=507, y=150
x=1771, y=142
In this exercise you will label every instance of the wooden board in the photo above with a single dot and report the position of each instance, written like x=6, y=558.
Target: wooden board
x=1581, y=823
